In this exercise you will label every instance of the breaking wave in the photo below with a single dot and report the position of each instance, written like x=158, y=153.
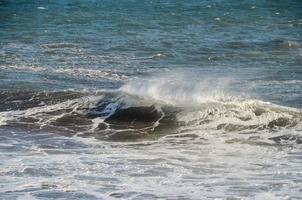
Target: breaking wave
x=153, y=108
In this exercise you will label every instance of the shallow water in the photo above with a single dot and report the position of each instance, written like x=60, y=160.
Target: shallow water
x=150, y=99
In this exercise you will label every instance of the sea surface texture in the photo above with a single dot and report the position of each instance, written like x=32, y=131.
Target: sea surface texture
x=157, y=99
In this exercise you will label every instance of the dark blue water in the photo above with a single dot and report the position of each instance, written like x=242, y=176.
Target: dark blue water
x=197, y=92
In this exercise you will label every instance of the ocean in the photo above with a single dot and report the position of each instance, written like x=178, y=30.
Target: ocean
x=150, y=99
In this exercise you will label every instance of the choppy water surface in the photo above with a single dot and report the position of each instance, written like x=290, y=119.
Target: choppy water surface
x=150, y=99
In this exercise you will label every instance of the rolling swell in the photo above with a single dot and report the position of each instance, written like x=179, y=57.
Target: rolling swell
x=120, y=116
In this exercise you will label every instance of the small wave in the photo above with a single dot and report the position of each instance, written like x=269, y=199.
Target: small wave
x=93, y=73
x=285, y=43
x=155, y=56
x=78, y=72
x=24, y=68
x=279, y=82
x=41, y=8
x=59, y=45
x=275, y=44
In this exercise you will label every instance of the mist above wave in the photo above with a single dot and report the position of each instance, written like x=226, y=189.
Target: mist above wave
x=180, y=89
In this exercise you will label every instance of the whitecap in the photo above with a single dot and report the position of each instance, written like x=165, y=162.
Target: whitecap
x=41, y=8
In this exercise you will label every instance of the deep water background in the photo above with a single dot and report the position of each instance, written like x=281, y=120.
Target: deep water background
x=256, y=43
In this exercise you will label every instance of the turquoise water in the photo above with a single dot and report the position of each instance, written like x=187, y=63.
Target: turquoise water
x=150, y=99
